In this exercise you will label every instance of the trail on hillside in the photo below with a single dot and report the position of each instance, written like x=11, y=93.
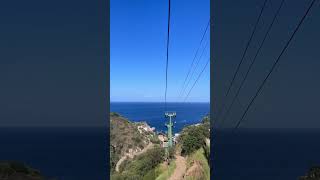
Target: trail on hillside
x=123, y=158
x=180, y=168
x=194, y=170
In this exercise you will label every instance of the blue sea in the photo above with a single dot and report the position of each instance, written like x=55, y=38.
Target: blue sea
x=62, y=153
x=153, y=113
x=265, y=154
x=80, y=153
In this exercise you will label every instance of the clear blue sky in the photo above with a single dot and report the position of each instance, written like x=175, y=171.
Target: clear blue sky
x=138, y=49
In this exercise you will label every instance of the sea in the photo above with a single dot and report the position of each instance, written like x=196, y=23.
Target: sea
x=64, y=153
x=154, y=113
x=69, y=153
x=265, y=154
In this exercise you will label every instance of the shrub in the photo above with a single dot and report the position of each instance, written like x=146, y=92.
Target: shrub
x=143, y=164
x=114, y=114
x=136, y=139
x=19, y=167
x=155, y=140
x=192, y=139
x=171, y=152
x=206, y=120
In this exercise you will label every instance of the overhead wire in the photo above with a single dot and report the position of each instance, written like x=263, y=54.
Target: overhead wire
x=167, y=59
x=195, y=82
x=274, y=65
x=194, y=58
x=242, y=58
x=252, y=62
x=194, y=69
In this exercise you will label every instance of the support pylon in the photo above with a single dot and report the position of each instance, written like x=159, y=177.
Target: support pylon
x=170, y=126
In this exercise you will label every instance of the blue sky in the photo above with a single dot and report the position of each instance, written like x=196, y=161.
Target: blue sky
x=138, y=49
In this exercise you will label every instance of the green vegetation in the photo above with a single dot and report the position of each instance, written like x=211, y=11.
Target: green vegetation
x=154, y=139
x=193, y=137
x=313, y=174
x=192, y=140
x=172, y=151
x=124, y=135
x=16, y=170
x=206, y=120
x=198, y=158
x=207, y=152
x=114, y=114
x=164, y=171
x=142, y=166
x=194, y=143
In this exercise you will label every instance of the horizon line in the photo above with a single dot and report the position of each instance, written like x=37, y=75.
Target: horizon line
x=158, y=102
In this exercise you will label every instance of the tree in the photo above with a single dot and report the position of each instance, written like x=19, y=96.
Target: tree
x=192, y=139
x=141, y=165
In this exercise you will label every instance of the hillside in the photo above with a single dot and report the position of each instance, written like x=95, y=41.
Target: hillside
x=128, y=139
x=18, y=171
x=137, y=154
x=194, y=146
x=313, y=174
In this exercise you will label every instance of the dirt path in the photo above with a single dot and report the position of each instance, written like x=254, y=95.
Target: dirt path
x=120, y=161
x=149, y=146
x=194, y=170
x=180, y=168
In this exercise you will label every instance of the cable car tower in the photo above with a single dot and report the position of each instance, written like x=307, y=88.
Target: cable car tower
x=169, y=125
